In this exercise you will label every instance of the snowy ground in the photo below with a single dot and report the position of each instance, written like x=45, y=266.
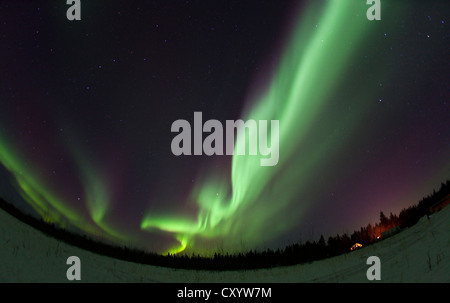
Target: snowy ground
x=418, y=254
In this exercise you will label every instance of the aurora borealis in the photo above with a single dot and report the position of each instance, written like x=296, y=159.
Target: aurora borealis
x=86, y=110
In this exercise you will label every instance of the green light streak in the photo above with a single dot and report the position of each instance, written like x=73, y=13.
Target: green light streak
x=308, y=72
x=51, y=206
x=33, y=190
x=97, y=194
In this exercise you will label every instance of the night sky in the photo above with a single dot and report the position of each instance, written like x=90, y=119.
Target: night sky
x=86, y=109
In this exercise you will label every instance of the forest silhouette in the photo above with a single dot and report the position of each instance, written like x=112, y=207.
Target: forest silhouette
x=296, y=253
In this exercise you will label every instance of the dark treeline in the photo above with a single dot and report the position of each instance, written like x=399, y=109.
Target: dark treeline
x=293, y=254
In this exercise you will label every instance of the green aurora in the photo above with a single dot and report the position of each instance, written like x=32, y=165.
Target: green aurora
x=237, y=213
x=249, y=205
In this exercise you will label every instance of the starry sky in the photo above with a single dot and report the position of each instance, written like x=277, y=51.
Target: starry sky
x=86, y=109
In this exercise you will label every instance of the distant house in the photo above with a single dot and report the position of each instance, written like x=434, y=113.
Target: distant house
x=440, y=204
x=390, y=232
x=355, y=246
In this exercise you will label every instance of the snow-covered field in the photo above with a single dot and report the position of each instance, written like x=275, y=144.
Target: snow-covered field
x=418, y=254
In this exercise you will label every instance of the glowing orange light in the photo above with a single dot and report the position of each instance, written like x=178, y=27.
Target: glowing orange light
x=355, y=246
